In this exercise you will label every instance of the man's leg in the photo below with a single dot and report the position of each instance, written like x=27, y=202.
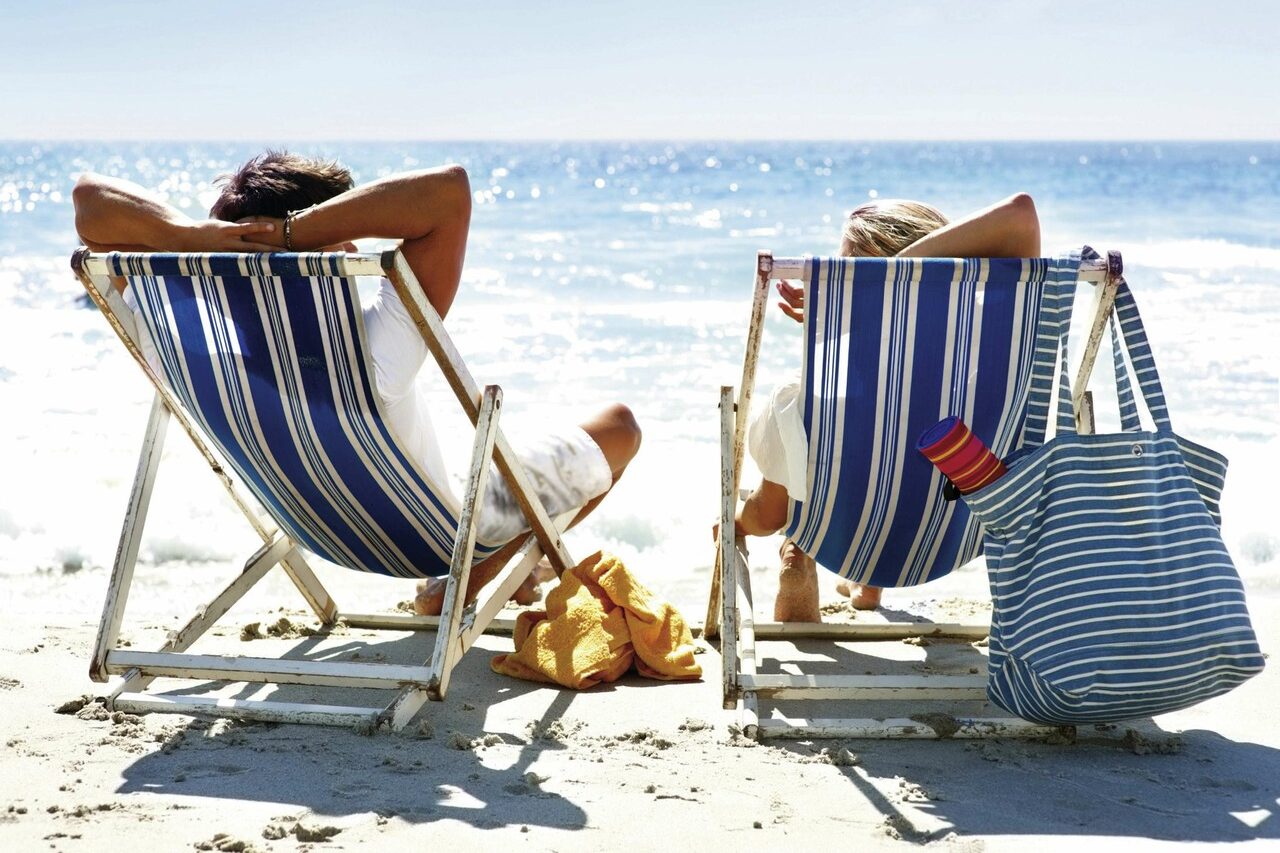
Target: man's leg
x=616, y=433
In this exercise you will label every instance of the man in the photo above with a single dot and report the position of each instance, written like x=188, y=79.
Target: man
x=279, y=201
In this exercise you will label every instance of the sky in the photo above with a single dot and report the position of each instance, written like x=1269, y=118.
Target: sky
x=939, y=69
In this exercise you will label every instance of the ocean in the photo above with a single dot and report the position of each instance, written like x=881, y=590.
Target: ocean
x=600, y=272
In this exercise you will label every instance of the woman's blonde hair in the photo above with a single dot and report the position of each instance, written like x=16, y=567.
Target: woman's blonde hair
x=880, y=229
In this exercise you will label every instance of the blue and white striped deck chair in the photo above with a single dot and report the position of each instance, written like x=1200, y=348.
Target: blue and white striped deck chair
x=266, y=368
x=892, y=345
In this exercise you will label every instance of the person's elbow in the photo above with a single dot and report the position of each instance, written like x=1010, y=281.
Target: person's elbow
x=452, y=189
x=1023, y=224
x=85, y=198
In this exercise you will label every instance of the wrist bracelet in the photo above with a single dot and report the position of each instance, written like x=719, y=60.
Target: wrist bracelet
x=288, y=230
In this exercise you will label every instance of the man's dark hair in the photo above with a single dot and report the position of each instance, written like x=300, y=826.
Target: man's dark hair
x=274, y=183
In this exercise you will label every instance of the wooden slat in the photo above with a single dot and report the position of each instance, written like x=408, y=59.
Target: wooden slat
x=902, y=727
x=869, y=630
x=748, y=707
x=273, y=670
x=349, y=264
x=135, y=518
x=746, y=387
x=448, y=649
x=499, y=625
x=726, y=556
x=1104, y=299
x=246, y=709
x=868, y=687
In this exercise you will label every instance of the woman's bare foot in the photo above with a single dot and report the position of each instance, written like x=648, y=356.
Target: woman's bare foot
x=797, y=599
x=430, y=598
x=861, y=596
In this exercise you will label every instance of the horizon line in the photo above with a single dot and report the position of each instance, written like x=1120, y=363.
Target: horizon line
x=655, y=139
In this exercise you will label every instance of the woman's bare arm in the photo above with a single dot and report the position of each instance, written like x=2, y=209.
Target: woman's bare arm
x=1006, y=229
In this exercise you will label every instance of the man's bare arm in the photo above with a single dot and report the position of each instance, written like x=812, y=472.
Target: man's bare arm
x=117, y=215
x=429, y=210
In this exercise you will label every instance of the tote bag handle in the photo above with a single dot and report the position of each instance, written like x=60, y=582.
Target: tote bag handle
x=1144, y=363
x=1130, y=336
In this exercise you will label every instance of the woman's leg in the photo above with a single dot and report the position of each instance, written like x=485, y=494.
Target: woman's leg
x=797, y=599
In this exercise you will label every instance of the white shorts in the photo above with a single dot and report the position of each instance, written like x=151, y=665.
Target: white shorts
x=777, y=441
x=566, y=469
x=565, y=466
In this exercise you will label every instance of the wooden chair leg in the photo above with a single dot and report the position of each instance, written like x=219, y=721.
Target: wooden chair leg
x=448, y=649
x=446, y=653
x=727, y=556
x=130, y=538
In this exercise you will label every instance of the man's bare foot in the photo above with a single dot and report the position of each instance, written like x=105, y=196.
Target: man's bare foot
x=861, y=596
x=430, y=598
x=797, y=599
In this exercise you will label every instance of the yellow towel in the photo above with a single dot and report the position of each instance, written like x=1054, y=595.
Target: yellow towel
x=599, y=621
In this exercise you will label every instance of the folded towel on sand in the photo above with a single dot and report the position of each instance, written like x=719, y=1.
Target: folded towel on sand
x=599, y=621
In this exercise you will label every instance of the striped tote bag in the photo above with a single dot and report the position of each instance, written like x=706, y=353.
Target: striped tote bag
x=1113, y=593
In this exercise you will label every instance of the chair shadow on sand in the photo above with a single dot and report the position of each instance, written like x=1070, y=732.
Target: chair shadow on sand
x=1131, y=779
x=339, y=771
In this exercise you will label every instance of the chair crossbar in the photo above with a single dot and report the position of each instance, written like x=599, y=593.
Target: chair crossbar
x=501, y=624
x=870, y=630
x=902, y=728
x=871, y=687
x=272, y=670
x=247, y=709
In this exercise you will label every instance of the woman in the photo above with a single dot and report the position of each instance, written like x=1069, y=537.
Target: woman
x=777, y=441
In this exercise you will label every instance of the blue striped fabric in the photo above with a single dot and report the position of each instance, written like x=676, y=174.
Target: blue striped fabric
x=1114, y=595
x=267, y=353
x=893, y=345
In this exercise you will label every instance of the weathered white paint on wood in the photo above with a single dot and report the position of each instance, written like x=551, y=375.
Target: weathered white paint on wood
x=867, y=687
x=746, y=387
x=727, y=556
x=130, y=538
x=447, y=649
x=869, y=630
x=268, y=670
x=1104, y=298
x=247, y=709
x=904, y=727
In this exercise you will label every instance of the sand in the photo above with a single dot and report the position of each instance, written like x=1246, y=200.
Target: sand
x=640, y=764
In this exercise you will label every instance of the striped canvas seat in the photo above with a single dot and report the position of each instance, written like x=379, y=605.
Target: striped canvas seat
x=268, y=354
x=892, y=345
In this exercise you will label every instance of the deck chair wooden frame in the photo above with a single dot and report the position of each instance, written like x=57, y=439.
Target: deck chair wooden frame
x=730, y=609
x=458, y=626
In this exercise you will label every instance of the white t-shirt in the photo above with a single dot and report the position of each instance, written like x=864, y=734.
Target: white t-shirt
x=777, y=441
